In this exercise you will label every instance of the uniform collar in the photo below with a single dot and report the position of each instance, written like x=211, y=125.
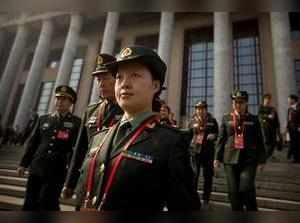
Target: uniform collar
x=136, y=121
x=57, y=115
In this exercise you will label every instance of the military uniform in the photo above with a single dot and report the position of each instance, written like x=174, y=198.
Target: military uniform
x=241, y=157
x=293, y=127
x=99, y=115
x=48, y=153
x=203, y=151
x=111, y=113
x=270, y=127
x=153, y=172
x=139, y=164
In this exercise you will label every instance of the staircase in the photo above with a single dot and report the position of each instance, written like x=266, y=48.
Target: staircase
x=12, y=187
x=278, y=187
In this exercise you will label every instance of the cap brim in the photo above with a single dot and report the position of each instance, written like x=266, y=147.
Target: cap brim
x=200, y=106
x=100, y=72
x=114, y=65
x=65, y=95
x=239, y=98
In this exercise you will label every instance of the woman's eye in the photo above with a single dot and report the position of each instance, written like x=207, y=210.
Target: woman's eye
x=135, y=75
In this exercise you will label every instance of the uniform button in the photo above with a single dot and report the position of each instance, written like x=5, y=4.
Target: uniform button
x=49, y=151
x=53, y=137
x=50, y=144
x=54, y=130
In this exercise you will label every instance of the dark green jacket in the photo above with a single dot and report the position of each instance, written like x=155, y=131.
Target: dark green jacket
x=269, y=123
x=50, y=146
x=139, y=185
x=207, y=148
x=254, y=151
x=87, y=130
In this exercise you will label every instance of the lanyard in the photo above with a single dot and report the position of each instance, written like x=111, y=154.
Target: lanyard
x=91, y=170
x=116, y=164
x=92, y=164
x=236, y=131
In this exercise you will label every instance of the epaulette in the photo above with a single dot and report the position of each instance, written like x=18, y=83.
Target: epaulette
x=100, y=131
x=175, y=129
x=94, y=104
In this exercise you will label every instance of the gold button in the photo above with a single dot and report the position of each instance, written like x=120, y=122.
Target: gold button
x=102, y=167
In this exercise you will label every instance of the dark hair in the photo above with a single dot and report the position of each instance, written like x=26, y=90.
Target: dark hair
x=294, y=97
x=166, y=106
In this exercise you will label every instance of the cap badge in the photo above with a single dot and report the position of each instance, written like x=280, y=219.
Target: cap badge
x=126, y=52
x=99, y=60
x=63, y=89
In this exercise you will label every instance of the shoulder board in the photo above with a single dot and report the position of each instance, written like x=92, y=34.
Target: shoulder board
x=45, y=116
x=169, y=127
x=94, y=104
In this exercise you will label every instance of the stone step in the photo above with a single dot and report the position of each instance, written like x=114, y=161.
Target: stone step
x=263, y=202
x=14, y=181
x=19, y=192
x=15, y=203
x=271, y=185
x=292, y=196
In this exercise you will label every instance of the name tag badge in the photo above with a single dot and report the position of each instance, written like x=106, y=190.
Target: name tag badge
x=63, y=135
x=210, y=124
x=248, y=123
x=239, y=141
x=68, y=124
x=45, y=125
x=199, y=139
x=138, y=156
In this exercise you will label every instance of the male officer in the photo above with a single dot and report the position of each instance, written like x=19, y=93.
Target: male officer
x=102, y=114
x=138, y=164
x=205, y=129
x=269, y=122
x=48, y=153
x=240, y=147
x=293, y=128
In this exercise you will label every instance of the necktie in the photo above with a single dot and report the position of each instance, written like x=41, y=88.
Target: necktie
x=121, y=132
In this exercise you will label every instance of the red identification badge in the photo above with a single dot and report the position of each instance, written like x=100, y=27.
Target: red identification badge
x=64, y=135
x=239, y=141
x=199, y=138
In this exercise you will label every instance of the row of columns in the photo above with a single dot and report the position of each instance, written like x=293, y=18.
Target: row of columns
x=223, y=63
x=223, y=59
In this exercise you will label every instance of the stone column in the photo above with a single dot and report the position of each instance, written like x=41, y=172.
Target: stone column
x=2, y=40
x=108, y=43
x=283, y=64
x=165, y=43
x=32, y=85
x=69, y=52
x=223, y=64
x=11, y=67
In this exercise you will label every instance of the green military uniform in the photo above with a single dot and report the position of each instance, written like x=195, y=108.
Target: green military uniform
x=154, y=171
x=97, y=116
x=293, y=127
x=204, y=151
x=48, y=154
x=240, y=163
x=270, y=127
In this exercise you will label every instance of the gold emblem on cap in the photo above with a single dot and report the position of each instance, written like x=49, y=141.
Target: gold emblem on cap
x=99, y=60
x=126, y=52
x=63, y=89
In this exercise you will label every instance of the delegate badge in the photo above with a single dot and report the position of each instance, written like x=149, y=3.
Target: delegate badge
x=239, y=141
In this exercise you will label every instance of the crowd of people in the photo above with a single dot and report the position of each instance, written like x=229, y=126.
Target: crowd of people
x=129, y=153
x=10, y=135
